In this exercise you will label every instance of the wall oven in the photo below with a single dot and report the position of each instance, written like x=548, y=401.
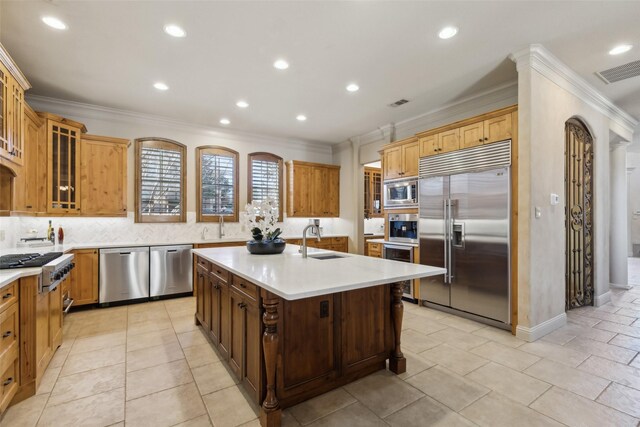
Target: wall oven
x=400, y=194
x=402, y=253
x=403, y=228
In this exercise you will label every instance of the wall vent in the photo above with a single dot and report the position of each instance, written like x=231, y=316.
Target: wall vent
x=622, y=72
x=398, y=103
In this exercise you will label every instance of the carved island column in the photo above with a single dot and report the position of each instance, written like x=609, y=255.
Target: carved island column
x=397, y=361
x=270, y=412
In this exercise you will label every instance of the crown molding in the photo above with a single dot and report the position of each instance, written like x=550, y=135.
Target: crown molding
x=83, y=111
x=540, y=59
x=11, y=65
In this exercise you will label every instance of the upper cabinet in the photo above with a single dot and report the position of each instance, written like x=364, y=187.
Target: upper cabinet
x=12, y=87
x=313, y=189
x=400, y=159
x=30, y=184
x=372, y=192
x=103, y=175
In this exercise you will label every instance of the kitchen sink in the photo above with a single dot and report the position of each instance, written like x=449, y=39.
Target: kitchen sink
x=326, y=256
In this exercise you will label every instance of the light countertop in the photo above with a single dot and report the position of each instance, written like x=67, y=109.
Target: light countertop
x=292, y=277
x=8, y=276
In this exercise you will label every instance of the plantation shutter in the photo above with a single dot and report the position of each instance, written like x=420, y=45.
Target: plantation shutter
x=161, y=181
x=266, y=173
x=218, y=187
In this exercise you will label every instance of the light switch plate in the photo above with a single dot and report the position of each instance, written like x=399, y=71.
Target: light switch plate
x=554, y=199
x=538, y=212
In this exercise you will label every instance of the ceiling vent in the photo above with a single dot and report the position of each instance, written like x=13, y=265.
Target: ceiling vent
x=398, y=103
x=622, y=72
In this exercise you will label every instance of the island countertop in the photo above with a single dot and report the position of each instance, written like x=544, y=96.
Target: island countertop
x=292, y=277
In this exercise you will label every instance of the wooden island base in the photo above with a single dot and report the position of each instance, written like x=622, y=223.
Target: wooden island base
x=285, y=352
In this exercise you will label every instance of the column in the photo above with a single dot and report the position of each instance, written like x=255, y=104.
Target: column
x=619, y=233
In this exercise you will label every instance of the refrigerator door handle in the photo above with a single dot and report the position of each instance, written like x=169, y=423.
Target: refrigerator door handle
x=446, y=240
x=449, y=240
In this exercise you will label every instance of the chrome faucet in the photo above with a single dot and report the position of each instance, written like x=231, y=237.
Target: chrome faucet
x=221, y=224
x=314, y=227
x=204, y=231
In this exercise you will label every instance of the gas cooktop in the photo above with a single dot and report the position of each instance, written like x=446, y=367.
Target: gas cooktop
x=27, y=260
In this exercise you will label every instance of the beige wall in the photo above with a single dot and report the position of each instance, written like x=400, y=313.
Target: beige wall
x=633, y=166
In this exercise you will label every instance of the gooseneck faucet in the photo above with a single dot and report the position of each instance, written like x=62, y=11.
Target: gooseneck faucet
x=204, y=232
x=314, y=227
x=221, y=224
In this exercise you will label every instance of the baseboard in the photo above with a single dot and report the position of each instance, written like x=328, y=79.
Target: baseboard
x=536, y=332
x=602, y=299
x=618, y=286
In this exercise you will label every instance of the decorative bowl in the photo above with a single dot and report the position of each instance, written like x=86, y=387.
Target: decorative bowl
x=266, y=247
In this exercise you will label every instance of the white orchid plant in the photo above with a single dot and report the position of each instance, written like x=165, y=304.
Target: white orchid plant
x=261, y=218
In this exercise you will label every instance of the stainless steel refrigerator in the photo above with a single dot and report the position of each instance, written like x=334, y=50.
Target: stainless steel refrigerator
x=465, y=227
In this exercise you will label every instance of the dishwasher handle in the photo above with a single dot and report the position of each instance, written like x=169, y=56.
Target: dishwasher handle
x=125, y=251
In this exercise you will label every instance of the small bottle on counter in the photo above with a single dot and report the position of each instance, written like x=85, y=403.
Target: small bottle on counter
x=51, y=236
x=60, y=235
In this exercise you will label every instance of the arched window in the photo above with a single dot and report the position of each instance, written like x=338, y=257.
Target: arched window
x=265, y=179
x=160, y=180
x=217, y=184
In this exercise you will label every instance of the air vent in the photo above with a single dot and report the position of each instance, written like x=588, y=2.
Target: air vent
x=398, y=103
x=622, y=72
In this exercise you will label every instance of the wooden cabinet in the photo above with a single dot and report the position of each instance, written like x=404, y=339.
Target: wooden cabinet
x=313, y=189
x=429, y=145
x=84, y=277
x=498, y=128
x=374, y=249
x=31, y=183
x=472, y=135
x=400, y=160
x=9, y=344
x=338, y=244
x=372, y=192
x=103, y=175
x=12, y=87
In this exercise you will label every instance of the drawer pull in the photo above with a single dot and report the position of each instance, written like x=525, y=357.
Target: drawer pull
x=242, y=285
x=242, y=305
x=7, y=334
x=7, y=295
x=7, y=381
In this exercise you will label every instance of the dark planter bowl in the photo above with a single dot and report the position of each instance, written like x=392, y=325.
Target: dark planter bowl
x=270, y=247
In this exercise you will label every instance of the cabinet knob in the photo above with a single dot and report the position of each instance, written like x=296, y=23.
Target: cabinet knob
x=7, y=295
x=7, y=381
x=7, y=334
x=486, y=139
x=480, y=140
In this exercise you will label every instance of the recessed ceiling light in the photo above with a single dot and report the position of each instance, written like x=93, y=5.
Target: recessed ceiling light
x=447, y=32
x=352, y=87
x=242, y=104
x=225, y=121
x=281, y=64
x=160, y=86
x=54, y=23
x=620, y=49
x=174, y=30
x=301, y=117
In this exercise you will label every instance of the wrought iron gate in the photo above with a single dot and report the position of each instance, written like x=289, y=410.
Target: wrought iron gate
x=578, y=214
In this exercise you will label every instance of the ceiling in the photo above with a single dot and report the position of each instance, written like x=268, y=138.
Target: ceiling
x=113, y=52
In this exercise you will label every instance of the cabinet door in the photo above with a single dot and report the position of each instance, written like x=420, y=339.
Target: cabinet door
x=333, y=193
x=215, y=310
x=319, y=187
x=208, y=290
x=376, y=194
x=497, y=129
x=252, y=356
x=300, y=194
x=472, y=135
x=201, y=279
x=236, y=328
x=225, y=320
x=34, y=165
x=43, y=334
x=449, y=140
x=63, y=193
x=55, y=317
x=410, y=159
x=4, y=109
x=84, y=277
x=429, y=145
x=16, y=123
x=392, y=163
x=103, y=181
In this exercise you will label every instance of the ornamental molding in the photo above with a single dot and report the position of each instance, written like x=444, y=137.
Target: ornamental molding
x=11, y=65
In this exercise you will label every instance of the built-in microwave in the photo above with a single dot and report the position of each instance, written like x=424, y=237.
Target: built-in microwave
x=400, y=194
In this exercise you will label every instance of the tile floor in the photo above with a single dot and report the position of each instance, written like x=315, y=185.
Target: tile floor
x=148, y=365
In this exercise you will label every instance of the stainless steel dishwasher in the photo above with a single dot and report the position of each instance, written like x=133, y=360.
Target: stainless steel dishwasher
x=171, y=270
x=124, y=274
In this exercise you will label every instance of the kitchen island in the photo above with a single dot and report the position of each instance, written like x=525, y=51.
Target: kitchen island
x=292, y=328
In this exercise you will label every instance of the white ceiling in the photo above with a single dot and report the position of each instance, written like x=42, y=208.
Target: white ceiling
x=113, y=52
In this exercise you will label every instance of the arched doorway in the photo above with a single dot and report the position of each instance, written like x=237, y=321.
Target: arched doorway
x=578, y=214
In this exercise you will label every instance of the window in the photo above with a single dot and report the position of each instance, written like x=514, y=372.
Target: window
x=217, y=184
x=265, y=179
x=160, y=180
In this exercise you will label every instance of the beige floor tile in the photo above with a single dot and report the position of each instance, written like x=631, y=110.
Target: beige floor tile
x=427, y=412
x=383, y=393
x=633, y=331
x=98, y=342
x=459, y=339
x=321, y=406
x=98, y=410
x=555, y=352
x=496, y=410
x=577, y=411
x=603, y=315
x=59, y=358
x=219, y=403
x=428, y=313
x=461, y=323
x=571, y=330
x=635, y=362
x=500, y=336
x=519, y=387
x=631, y=312
x=572, y=379
x=153, y=356
x=424, y=325
x=184, y=323
x=137, y=317
x=48, y=380
x=415, y=364
x=166, y=408
x=149, y=326
x=614, y=371
x=25, y=413
x=151, y=339
x=459, y=361
x=505, y=355
x=88, y=360
x=448, y=388
x=199, y=355
x=601, y=349
x=354, y=415
x=87, y=383
x=418, y=342
x=201, y=421
x=189, y=339
x=107, y=326
x=157, y=378
x=212, y=377
x=581, y=320
x=626, y=341
x=622, y=398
